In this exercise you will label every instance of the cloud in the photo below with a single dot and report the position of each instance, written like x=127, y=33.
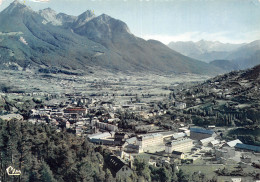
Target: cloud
x=225, y=37
x=1, y=2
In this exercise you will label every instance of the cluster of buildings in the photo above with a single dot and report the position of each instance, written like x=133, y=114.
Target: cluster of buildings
x=186, y=144
x=73, y=118
x=79, y=116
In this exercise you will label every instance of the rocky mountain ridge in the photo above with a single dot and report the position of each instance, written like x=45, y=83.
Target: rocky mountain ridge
x=46, y=39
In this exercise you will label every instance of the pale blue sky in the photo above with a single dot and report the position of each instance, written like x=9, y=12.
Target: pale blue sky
x=232, y=21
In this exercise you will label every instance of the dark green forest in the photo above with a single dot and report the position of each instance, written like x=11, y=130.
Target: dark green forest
x=246, y=135
x=42, y=154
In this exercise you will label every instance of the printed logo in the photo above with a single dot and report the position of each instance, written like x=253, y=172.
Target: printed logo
x=12, y=171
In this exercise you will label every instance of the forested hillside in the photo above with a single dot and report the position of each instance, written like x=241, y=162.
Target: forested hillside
x=226, y=100
x=44, y=155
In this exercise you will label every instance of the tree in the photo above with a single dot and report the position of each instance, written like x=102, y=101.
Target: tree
x=46, y=174
x=164, y=174
x=182, y=177
x=108, y=176
x=142, y=168
x=34, y=175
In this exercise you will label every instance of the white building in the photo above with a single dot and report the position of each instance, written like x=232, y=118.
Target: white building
x=236, y=179
x=101, y=135
x=104, y=126
x=232, y=143
x=180, y=105
x=214, y=143
x=78, y=131
x=206, y=141
x=149, y=140
x=183, y=145
x=179, y=135
x=67, y=124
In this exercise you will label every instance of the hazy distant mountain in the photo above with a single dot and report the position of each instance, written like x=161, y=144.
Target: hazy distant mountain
x=225, y=65
x=204, y=50
x=45, y=39
x=228, y=57
x=246, y=56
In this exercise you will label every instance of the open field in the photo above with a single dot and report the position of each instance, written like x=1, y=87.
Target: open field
x=209, y=170
x=106, y=82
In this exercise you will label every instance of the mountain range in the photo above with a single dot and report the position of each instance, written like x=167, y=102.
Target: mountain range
x=47, y=40
x=226, y=56
x=204, y=50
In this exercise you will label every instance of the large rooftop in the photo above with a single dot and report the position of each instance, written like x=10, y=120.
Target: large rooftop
x=149, y=136
x=99, y=135
x=201, y=130
x=177, y=142
x=248, y=147
x=233, y=143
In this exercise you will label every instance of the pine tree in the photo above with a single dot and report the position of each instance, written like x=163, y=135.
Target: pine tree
x=46, y=174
